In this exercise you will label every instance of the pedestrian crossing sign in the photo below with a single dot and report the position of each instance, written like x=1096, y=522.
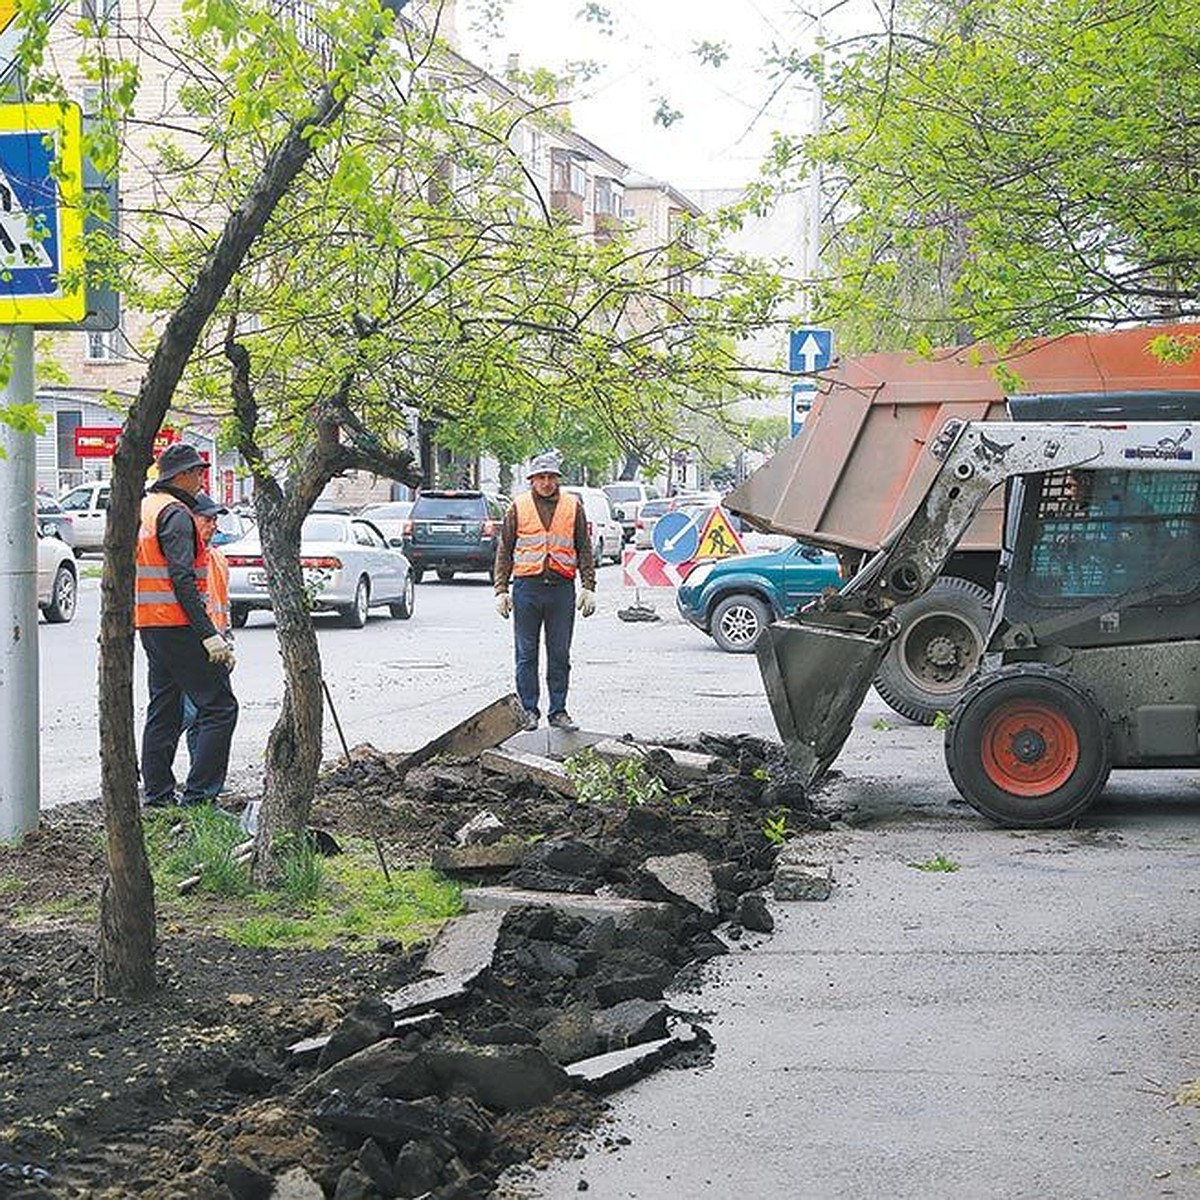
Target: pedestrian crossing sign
x=719, y=539
x=41, y=215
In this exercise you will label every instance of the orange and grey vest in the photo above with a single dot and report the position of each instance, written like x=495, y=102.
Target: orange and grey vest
x=156, y=605
x=537, y=547
x=217, y=593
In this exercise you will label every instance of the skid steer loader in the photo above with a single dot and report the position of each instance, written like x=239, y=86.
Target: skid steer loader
x=1093, y=656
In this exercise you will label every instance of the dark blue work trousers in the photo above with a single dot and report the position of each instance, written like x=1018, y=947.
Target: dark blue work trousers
x=179, y=666
x=539, y=605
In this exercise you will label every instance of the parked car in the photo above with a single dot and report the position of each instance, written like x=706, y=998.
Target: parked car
x=57, y=523
x=603, y=528
x=392, y=517
x=735, y=599
x=643, y=526
x=87, y=506
x=232, y=527
x=454, y=531
x=57, y=578
x=348, y=567
x=627, y=498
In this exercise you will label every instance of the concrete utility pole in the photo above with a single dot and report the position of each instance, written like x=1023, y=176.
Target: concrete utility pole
x=20, y=771
x=812, y=245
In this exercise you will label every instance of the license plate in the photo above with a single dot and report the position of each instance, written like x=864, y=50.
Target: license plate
x=257, y=578
x=446, y=528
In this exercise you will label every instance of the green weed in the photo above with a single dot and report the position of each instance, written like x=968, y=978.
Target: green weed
x=939, y=862
x=197, y=841
x=941, y=720
x=775, y=827
x=620, y=781
x=882, y=724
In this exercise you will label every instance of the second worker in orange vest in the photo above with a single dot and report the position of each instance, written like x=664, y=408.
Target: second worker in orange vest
x=544, y=545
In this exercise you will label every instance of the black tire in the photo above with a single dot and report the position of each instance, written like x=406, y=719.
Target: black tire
x=445, y=574
x=942, y=635
x=403, y=608
x=1028, y=747
x=417, y=574
x=355, y=617
x=239, y=614
x=63, y=595
x=738, y=622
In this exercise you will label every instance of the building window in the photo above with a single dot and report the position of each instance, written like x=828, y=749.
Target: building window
x=100, y=10
x=104, y=345
x=609, y=195
x=531, y=146
x=567, y=174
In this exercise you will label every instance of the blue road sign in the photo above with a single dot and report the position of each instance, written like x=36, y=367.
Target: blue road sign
x=676, y=535
x=803, y=395
x=810, y=349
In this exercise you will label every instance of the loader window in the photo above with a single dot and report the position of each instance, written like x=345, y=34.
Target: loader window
x=1106, y=533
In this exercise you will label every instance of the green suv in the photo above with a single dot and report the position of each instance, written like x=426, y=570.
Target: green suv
x=453, y=531
x=735, y=599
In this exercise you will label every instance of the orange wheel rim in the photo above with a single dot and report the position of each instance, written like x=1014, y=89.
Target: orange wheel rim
x=1029, y=749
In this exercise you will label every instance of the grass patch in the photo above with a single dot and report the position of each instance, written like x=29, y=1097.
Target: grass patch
x=10, y=885
x=939, y=862
x=319, y=902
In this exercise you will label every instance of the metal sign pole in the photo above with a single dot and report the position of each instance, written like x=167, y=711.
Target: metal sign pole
x=20, y=770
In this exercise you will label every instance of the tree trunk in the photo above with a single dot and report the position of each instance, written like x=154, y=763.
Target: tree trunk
x=293, y=757
x=631, y=465
x=506, y=479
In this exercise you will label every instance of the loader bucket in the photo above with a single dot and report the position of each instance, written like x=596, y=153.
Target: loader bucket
x=816, y=679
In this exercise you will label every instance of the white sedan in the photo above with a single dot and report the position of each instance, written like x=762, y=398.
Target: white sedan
x=349, y=568
x=57, y=581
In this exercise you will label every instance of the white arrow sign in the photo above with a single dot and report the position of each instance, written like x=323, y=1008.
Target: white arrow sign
x=809, y=352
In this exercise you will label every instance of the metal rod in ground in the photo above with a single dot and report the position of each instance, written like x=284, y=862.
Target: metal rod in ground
x=387, y=875
x=336, y=723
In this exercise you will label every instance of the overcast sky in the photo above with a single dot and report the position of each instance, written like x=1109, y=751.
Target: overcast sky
x=647, y=56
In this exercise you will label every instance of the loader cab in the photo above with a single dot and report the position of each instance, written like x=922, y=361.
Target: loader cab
x=1103, y=558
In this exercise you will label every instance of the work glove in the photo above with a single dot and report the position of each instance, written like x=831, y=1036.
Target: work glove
x=220, y=653
x=504, y=604
x=586, y=602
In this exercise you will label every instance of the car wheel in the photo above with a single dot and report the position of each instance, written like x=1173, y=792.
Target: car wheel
x=239, y=614
x=417, y=574
x=1028, y=747
x=737, y=623
x=403, y=608
x=62, y=597
x=355, y=617
x=445, y=574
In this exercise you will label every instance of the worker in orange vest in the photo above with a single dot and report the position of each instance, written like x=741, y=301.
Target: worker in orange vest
x=216, y=598
x=185, y=653
x=544, y=545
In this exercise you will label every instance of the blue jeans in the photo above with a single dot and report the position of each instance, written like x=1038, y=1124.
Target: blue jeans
x=191, y=730
x=536, y=606
x=179, y=666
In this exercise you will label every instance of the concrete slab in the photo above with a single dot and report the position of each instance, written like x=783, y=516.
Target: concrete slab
x=465, y=946
x=595, y=908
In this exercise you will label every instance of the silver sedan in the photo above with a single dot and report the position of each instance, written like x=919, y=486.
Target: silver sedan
x=349, y=568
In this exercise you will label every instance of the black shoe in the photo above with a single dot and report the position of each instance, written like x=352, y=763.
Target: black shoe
x=165, y=801
x=562, y=720
x=531, y=720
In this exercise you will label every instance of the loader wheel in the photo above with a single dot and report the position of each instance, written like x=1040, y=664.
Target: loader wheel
x=942, y=635
x=1028, y=747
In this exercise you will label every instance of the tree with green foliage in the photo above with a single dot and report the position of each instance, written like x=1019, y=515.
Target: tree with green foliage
x=1002, y=168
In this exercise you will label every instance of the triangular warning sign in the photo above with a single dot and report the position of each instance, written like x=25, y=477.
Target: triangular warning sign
x=719, y=539
x=21, y=239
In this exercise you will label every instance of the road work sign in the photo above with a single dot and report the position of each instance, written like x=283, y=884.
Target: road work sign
x=719, y=539
x=41, y=218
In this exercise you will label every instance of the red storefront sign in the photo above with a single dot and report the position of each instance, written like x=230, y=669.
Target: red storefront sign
x=100, y=441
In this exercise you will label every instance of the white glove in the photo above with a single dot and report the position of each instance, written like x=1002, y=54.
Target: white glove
x=504, y=604
x=220, y=653
x=586, y=602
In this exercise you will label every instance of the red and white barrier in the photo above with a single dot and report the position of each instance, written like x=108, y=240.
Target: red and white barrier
x=648, y=569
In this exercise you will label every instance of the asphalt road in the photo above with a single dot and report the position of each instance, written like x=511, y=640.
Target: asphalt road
x=396, y=684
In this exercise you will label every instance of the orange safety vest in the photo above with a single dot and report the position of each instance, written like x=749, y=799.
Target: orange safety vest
x=155, y=603
x=217, y=593
x=537, y=547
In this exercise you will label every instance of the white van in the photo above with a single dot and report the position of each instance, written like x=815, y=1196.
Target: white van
x=607, y=535
x=87, y=506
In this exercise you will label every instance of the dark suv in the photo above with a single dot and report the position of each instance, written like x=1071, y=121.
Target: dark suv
x=453, y=531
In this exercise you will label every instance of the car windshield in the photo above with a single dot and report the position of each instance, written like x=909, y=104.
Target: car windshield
x=448, y=508
x=655, y=508
x=323, y=529
x=623, y=491
x=387, y=512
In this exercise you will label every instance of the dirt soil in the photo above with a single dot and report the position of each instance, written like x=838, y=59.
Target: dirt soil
x=192, y=1094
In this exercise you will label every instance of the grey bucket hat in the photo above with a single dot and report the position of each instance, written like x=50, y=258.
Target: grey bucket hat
x=545, y=464
x=206, y=506
x=177, y=458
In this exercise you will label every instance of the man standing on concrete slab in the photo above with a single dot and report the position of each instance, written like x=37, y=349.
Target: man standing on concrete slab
x=544, y=544
x=185, y=653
